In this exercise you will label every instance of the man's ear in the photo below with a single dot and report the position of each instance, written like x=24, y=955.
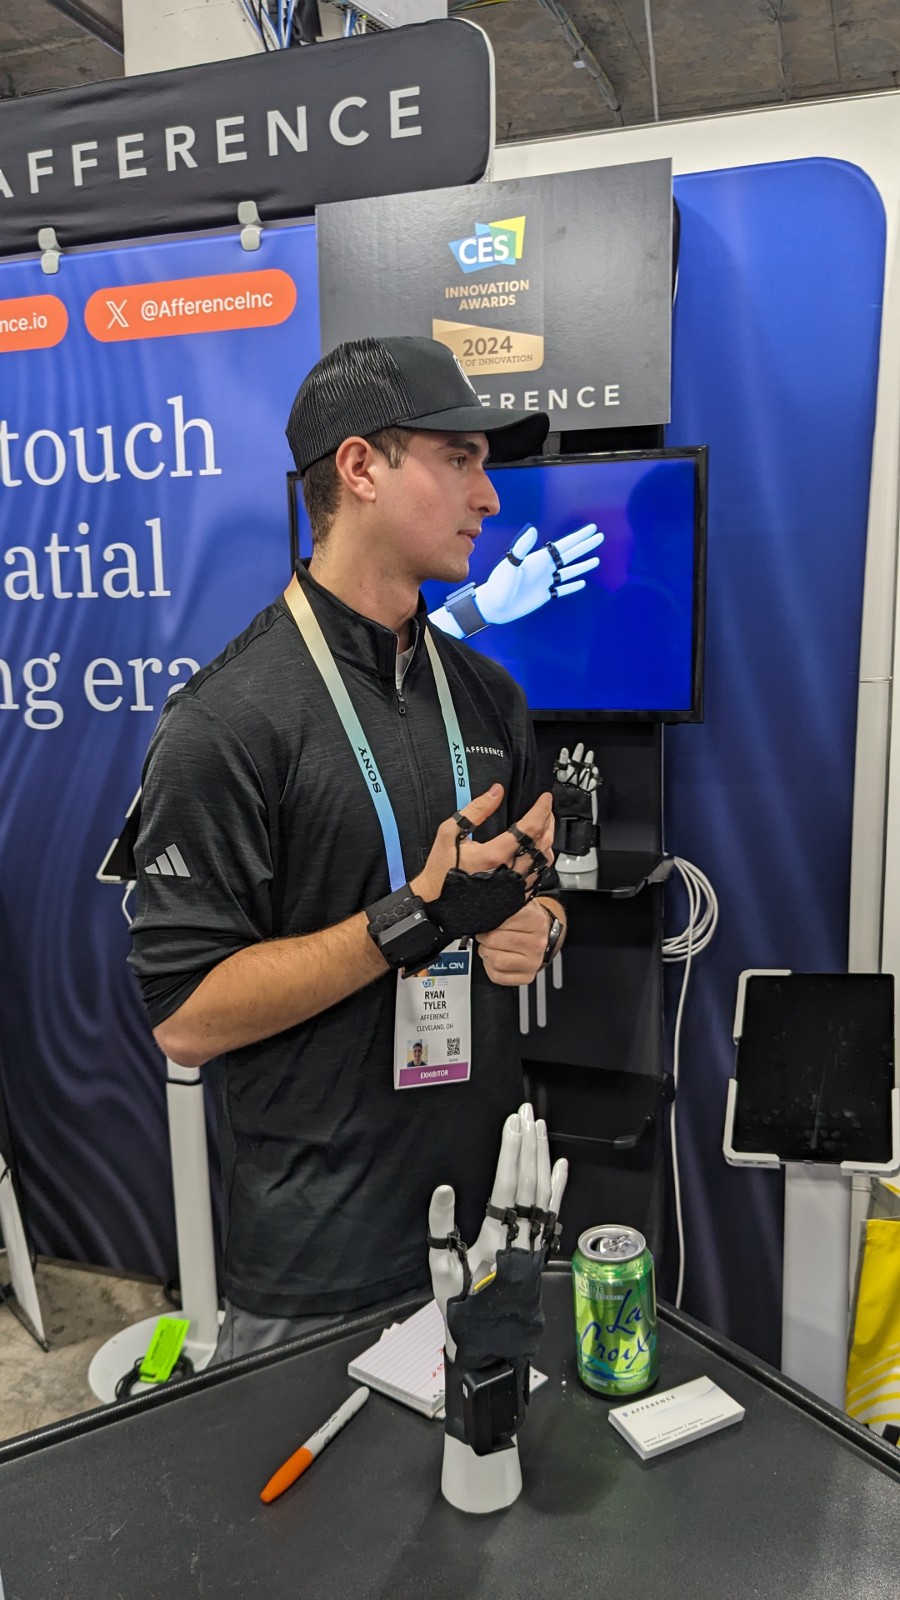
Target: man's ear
x=354, y=460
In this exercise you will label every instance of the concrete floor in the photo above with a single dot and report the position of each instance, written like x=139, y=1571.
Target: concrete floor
x=81, y=1309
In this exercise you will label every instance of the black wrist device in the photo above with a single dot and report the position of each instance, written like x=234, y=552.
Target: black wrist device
x=465, y=613
x=403, y=931
x=485, y=1407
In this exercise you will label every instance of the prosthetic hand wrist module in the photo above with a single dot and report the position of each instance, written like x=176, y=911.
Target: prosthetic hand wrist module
x=497, y=1333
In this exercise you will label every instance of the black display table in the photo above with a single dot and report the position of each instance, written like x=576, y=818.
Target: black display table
x=158, y=1497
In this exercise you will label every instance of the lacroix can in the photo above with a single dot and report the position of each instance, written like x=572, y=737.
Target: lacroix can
x=615, y=1311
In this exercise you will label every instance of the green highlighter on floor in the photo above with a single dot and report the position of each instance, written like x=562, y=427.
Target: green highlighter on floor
x=163, y=1357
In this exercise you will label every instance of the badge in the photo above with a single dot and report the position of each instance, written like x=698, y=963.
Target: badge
x=433, y=1023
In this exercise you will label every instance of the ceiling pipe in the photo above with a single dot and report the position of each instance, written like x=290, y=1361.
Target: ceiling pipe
x=651, y=52
x=98, y=27
x=585, y=55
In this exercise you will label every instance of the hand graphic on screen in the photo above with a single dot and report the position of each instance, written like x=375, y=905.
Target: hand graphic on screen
x=526, y=579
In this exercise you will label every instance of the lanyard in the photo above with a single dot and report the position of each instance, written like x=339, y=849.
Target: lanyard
x=317, y=645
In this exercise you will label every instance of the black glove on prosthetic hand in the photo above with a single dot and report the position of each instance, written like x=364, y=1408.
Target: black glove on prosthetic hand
x=497, y=1333
x=576, y=780
x=575, y=827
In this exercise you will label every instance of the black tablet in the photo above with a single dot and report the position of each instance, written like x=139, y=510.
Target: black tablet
x=815, y=1069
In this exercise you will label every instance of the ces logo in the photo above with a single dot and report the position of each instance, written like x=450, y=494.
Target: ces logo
x=493, y=244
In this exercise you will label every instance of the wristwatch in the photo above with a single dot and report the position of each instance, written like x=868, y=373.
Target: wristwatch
x=402, y=929
x=554, y=935
x=465, y=613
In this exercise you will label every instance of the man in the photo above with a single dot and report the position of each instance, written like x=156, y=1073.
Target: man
x=310, y=777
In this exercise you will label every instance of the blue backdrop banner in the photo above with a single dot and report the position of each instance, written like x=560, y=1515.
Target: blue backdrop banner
x=143, y=521
x=776, y=331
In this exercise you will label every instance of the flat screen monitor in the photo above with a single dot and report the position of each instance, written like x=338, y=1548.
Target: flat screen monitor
x=626, y=642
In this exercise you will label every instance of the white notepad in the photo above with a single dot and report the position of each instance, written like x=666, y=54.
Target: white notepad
x=674, y=1417
x=407, y=1362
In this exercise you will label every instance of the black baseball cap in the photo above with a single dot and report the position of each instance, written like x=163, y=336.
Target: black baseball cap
x=403, y=382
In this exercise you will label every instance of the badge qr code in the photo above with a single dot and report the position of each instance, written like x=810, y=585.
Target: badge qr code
x=452, y=1049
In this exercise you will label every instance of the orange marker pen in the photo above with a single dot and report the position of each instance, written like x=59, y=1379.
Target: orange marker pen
x=315, y=1444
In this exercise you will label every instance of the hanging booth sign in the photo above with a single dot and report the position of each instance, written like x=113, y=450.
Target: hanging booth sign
x=554, y=293
x=375, y=114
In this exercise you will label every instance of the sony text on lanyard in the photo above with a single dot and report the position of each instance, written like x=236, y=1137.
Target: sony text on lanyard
x=432, y=1025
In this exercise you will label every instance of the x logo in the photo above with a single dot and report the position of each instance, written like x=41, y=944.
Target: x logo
x=117, y=317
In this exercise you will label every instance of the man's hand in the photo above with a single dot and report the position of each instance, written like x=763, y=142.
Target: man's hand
x=514, y=952
x=538, y=823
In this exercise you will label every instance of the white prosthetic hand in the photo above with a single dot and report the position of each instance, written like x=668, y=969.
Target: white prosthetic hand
x=489, y=1341
x=522, y=582
x=576, y=780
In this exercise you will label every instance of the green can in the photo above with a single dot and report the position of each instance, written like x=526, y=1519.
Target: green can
x=615, y=1311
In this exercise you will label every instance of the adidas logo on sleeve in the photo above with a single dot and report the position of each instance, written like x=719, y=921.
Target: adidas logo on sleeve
x=171, y=864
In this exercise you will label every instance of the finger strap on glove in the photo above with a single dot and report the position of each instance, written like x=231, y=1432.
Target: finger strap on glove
x=509, y=1216
x=453, y=1241
x=550, y=1230
x=527, y=847
x=541, y=1223
x=463, y=829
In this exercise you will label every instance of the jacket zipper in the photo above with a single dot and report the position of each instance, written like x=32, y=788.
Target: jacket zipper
x=403, y=710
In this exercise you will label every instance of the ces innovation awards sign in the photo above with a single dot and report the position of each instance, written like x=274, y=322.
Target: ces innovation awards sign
x=555, y=293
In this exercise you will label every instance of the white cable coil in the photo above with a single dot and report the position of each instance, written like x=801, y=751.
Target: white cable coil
x=700, y=928
x=701, y=925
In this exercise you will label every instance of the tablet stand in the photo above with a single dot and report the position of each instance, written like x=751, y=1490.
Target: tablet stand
x=817, y=1205
x=194, y=1235
x=20, y=1293
x=191, y=1193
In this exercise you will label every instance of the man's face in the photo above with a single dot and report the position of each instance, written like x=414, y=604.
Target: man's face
x=417, y=1054
x=430, y=508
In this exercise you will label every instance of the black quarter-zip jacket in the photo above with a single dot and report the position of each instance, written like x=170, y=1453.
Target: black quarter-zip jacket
x=327, y=1169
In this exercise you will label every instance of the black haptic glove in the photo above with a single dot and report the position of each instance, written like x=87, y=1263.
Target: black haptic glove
x=477, y=902
x=496, y=1332
x=410, y=932
x=575, y=827
x=575, y=785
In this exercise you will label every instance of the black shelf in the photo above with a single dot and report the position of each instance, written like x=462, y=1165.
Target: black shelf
x=595, y=1054
x=620, y=873
x=595, y=1110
